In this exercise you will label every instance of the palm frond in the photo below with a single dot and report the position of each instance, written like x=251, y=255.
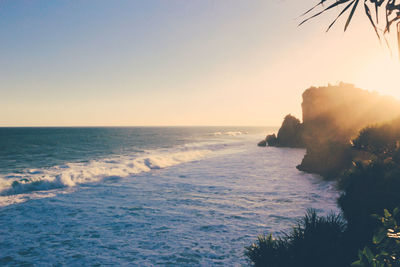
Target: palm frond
x=351, y=14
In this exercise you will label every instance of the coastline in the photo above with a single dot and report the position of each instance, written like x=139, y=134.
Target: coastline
x=362, y=157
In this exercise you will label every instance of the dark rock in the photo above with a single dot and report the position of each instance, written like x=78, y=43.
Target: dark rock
x=291, y=133
x=272, y=140
x=327, y=159
x=262, y=143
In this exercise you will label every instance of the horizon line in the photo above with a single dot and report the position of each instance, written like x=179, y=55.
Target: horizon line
x=124, y=126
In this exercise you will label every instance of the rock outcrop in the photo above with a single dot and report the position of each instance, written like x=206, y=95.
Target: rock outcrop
x=262, y=142
x=271, y=140
x=289, y=135
x=332, y=116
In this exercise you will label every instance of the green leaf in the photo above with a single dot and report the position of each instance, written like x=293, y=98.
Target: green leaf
x=368, y=254
x=364, y=259
x=379, y=236
x=351, y=15
x=360, y=254
x=387, y=213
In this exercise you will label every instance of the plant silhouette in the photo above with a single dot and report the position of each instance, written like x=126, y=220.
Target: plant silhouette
x=389, y=9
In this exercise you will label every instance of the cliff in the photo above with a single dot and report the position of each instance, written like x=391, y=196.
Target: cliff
x=345, y=109
x=332, y=116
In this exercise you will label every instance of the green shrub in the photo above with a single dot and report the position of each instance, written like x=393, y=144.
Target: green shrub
x=267, y=251
x=314, y=241
x=386, y=243
x=368, y=190
x=377, y=140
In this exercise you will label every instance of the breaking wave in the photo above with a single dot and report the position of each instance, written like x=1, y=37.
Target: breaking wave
x=73, y=174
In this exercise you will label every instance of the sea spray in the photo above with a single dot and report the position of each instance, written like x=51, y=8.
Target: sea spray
x=73, y=174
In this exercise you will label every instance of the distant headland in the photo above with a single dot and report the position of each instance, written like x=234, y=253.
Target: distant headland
x=332, y=116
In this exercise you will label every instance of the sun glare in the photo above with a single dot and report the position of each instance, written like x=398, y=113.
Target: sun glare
x=381, y=75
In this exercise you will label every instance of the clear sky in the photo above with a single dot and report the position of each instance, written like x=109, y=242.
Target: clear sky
x=176, y=62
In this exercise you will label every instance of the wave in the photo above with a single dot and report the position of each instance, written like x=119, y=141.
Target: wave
x=73, y=174
x=230, y=133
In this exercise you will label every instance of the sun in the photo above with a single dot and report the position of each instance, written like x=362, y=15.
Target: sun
x=382, y=75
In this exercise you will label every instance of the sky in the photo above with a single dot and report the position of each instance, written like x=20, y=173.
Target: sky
x=177, y=62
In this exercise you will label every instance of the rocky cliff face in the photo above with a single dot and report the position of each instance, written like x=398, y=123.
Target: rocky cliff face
x=332, y=116
x=345, y=108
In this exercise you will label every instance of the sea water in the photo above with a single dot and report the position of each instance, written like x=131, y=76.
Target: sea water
x=147, y=196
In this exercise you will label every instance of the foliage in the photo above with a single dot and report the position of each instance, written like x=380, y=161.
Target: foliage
x=368, y=190
x=369, y=187
x=314, y=241
x=389, y=8
x=376, y=140
x=386, y=241
x=267, y=251
x=326, y=241
x=381, y=140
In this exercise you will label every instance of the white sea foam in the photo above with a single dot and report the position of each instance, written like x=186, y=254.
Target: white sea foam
x=230, y=133
x=73, y=174
x=153, y=219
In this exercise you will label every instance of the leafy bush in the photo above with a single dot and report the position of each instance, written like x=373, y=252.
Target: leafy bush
x=377, y=140
x=368, y=190
x=267, y=251
x=314, y=241
x=386, y=243
x=381, y=140
x=368, y=187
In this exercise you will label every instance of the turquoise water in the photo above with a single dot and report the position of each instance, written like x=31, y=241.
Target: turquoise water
x=146, y=196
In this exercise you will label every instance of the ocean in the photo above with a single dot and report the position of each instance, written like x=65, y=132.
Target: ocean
x=146, y=196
